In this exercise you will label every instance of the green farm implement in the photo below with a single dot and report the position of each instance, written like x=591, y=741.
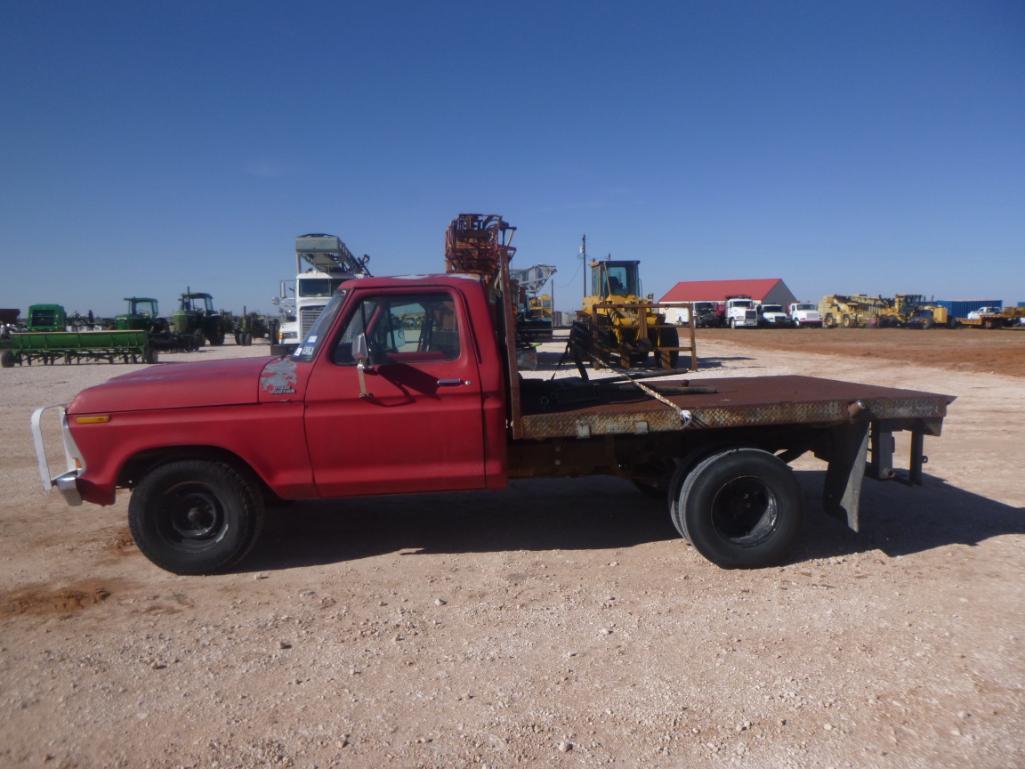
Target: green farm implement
x=49, y=347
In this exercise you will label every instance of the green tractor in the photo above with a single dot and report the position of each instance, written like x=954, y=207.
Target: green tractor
x=47, y=317
x=197, y=318
x=144, y=315
x=253, y=325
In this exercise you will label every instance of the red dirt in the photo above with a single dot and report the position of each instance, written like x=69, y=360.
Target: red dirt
x=41, y=600
x=996, y=351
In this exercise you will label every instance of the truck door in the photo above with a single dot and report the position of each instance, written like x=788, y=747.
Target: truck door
x=420, y=428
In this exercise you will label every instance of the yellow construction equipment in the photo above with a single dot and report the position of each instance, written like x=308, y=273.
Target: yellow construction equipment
x=931, y=315
x=617, y=326
x=899, y=310
x=850, y=311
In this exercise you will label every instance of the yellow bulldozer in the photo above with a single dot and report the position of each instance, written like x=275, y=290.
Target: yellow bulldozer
x=617, y=326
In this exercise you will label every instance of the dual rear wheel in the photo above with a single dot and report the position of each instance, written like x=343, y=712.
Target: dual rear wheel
x=739, y=508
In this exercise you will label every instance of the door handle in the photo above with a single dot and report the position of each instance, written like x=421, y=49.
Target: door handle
x=454, y=382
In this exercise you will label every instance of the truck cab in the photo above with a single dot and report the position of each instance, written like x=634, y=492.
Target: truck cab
x=805, y=314
x=772, y=316
x=741, y=312
x=322, y=263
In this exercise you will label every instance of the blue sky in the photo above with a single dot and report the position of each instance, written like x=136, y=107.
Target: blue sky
x=876, y=147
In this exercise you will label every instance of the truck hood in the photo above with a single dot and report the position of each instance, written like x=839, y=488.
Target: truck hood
x=189, y=385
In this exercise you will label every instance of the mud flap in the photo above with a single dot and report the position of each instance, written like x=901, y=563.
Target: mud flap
x=841, y=496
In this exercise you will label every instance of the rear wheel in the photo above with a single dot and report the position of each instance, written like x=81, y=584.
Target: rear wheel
x=739, y=508
x=847, y=322
x=195, y=516
x=7, y=359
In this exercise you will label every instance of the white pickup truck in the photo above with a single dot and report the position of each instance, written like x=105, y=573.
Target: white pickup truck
x=804, y=314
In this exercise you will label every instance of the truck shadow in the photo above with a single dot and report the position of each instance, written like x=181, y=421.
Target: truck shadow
x=607, y=513
x=897, y=519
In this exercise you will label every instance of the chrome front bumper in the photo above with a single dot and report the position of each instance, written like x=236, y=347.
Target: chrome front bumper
x=66, y=482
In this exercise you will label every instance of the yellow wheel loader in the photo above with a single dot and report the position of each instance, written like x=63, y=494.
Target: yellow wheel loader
x=617, y=326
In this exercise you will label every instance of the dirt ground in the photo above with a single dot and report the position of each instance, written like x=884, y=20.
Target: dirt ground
x=559, y=623
x=994, y=351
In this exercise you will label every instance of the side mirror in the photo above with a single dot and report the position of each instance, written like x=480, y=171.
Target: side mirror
x=361, y=354
x=360, y=350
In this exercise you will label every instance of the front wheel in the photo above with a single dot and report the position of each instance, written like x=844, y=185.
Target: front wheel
x=740, y=508
x=195, y=516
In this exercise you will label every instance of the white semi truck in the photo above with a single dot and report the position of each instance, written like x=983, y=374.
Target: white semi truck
x=741, y=312
x=322, y=263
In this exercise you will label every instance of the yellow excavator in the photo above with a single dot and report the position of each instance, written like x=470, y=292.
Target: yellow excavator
x=618, y=326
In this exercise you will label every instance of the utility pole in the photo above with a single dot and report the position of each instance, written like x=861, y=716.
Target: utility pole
x=583, y=259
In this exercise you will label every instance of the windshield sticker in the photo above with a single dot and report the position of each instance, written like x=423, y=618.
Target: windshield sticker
x=278, y=377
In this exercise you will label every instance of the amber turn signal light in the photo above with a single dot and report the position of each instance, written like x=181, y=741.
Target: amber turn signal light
x=93, y=420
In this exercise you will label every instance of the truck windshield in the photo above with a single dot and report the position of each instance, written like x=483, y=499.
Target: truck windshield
x=308, y=349
x=772, y=308
x=319, y=286
x=806, y=307
x=741, y=303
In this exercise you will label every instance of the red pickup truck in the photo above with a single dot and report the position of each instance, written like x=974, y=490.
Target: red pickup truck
x=409, y=385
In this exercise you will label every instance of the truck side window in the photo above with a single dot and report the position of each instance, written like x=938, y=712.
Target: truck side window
x=403, y=328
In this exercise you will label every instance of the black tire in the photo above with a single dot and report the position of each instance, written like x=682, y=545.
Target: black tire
x=7, y=359
x=238, y=339
x=195, y=516
x=847, y=322
x=198, y=339
x=150, y=355
x=739, y=508
x=668, y=337
x=247, y=339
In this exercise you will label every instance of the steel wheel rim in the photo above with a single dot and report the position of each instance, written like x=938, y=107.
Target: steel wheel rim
x=194, y=515
x=745, y=511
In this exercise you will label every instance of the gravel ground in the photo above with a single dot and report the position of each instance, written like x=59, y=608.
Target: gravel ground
x=560, y=623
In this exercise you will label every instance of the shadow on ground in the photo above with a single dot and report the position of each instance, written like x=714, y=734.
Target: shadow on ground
x=603, y=513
